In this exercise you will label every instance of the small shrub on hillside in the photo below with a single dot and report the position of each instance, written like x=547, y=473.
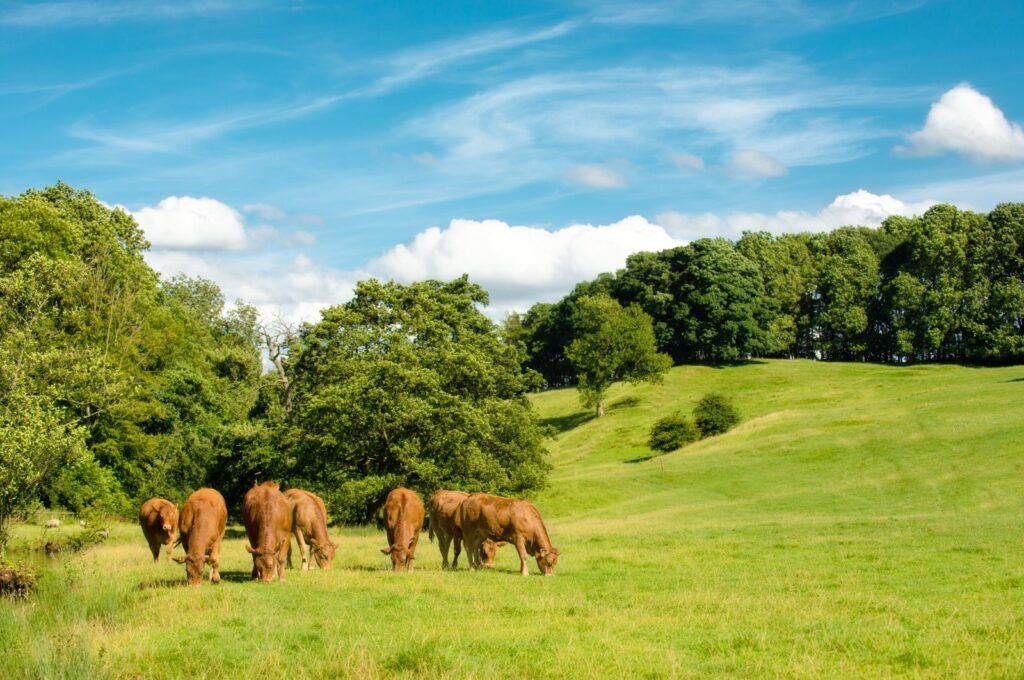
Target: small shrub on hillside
x=672, y=432
x=715, y=414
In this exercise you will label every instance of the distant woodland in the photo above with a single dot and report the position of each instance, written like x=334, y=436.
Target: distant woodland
x=117, y=385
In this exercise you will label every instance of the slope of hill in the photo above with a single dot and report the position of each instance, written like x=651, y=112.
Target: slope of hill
x=861, y=521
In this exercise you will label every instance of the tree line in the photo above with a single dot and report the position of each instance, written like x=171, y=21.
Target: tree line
x=117, y=385
x=945, y=286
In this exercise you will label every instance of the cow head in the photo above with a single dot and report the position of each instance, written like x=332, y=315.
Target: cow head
x=488, y=550
x=323, y=552
x=168, y=521
x=399, y=557
x=546, y=560
x=194, y=566
x=262, y=562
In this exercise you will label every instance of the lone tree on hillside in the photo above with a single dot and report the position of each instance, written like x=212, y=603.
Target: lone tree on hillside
x=613, y=343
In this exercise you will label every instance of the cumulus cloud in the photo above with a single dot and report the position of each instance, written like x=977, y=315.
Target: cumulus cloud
x=756, y=164
x=967, y=122
x=520, y=265
x=192, y=223
x=686, y=161
x=857, y=208
x=293, y=290
x=595, y=176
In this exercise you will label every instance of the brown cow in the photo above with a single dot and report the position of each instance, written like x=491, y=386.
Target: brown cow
x=518, y=522
x=309, y=520
x=446, y=524
x=201, y=524
x=268, y=523
x=159, y=521
x=403, y=520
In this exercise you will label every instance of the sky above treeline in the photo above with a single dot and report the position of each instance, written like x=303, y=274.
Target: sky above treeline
x=287, y=150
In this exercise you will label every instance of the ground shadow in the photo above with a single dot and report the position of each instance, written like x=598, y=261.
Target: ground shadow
x=1013, y=380
x=566, y=423
x=641, y=459
x=234, y=576
x=732, y=364
x=625, y=402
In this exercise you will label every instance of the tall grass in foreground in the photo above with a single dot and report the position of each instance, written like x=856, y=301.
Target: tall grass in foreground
x=861, y=521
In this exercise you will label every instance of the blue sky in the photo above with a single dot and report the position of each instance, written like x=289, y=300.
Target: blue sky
x=288, y=149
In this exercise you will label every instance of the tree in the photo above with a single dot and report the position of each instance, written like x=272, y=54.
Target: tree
x=721, y=311
x=410, y=385
x=612, y=343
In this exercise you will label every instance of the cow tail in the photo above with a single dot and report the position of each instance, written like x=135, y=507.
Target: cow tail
x=430, y=531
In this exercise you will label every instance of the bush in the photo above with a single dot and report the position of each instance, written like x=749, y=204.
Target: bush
x=715, y=414
x=672, y=432
x=16, y=582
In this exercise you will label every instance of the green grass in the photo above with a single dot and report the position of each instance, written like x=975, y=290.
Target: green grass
x=861, y=521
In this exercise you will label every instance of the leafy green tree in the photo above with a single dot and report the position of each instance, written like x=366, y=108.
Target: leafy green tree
x=411, y=385
x=612, y=343
x=715, y=414
x=720, y=309
x=672, y=432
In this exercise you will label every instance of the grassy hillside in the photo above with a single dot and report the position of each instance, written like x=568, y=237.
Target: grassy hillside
x=861, y=521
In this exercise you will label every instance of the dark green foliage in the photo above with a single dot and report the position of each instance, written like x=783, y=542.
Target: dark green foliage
x=715, y=414
x=672, y=432
x=411, y=385
x=16, y=581
x=114, y=386
x=612, y=344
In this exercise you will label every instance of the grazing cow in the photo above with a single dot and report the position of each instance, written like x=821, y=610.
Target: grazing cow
x=268, y=523
x=403, y=520
x=52, y=524
x=159, y=521
x=201, y=525
x=446, y=524
x=309, y=521
x=518, y=522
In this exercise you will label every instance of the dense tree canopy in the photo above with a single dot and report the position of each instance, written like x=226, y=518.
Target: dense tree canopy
x=411, y=385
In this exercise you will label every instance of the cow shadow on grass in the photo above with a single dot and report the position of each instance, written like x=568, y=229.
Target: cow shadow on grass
x=182, y=582
x=1013, y=380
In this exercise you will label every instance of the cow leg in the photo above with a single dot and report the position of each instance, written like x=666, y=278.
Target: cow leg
x=300, y=537
x=170, y=549
x=282, y=554
x=154, y=547
x=458, y=549
x=443, y=543
x=215, y=562
x=523, y=557
x=471, y=547
x=412, y=550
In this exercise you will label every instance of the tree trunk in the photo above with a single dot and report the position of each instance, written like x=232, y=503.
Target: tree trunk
x=600, y=409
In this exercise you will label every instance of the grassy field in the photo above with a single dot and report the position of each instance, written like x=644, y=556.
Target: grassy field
x=862, y=521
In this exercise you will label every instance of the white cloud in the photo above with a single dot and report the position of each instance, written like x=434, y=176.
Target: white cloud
x=857, y=208
x=686, y=161
x=192, y=223
x=520, y=265
x=757, y=164
x=595, y=176
x=967, y=122
x=293, y=290
x=264, y=211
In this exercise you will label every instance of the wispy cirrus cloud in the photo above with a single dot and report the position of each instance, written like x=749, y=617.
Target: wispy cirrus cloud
x=86, y=12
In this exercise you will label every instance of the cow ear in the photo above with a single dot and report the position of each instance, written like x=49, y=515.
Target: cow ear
x=500, y=543
x=179, y=560
x=313, y=542
x=251, y=551
x=386, y=551
x=209, y=560
x=542, y=552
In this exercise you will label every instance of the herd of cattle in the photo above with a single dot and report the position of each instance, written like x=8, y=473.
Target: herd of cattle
x=480, y=521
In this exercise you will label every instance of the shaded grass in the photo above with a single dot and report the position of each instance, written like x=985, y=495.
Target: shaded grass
x=861, y=521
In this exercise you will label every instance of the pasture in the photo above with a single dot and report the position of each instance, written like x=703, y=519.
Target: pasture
x=861, y=521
